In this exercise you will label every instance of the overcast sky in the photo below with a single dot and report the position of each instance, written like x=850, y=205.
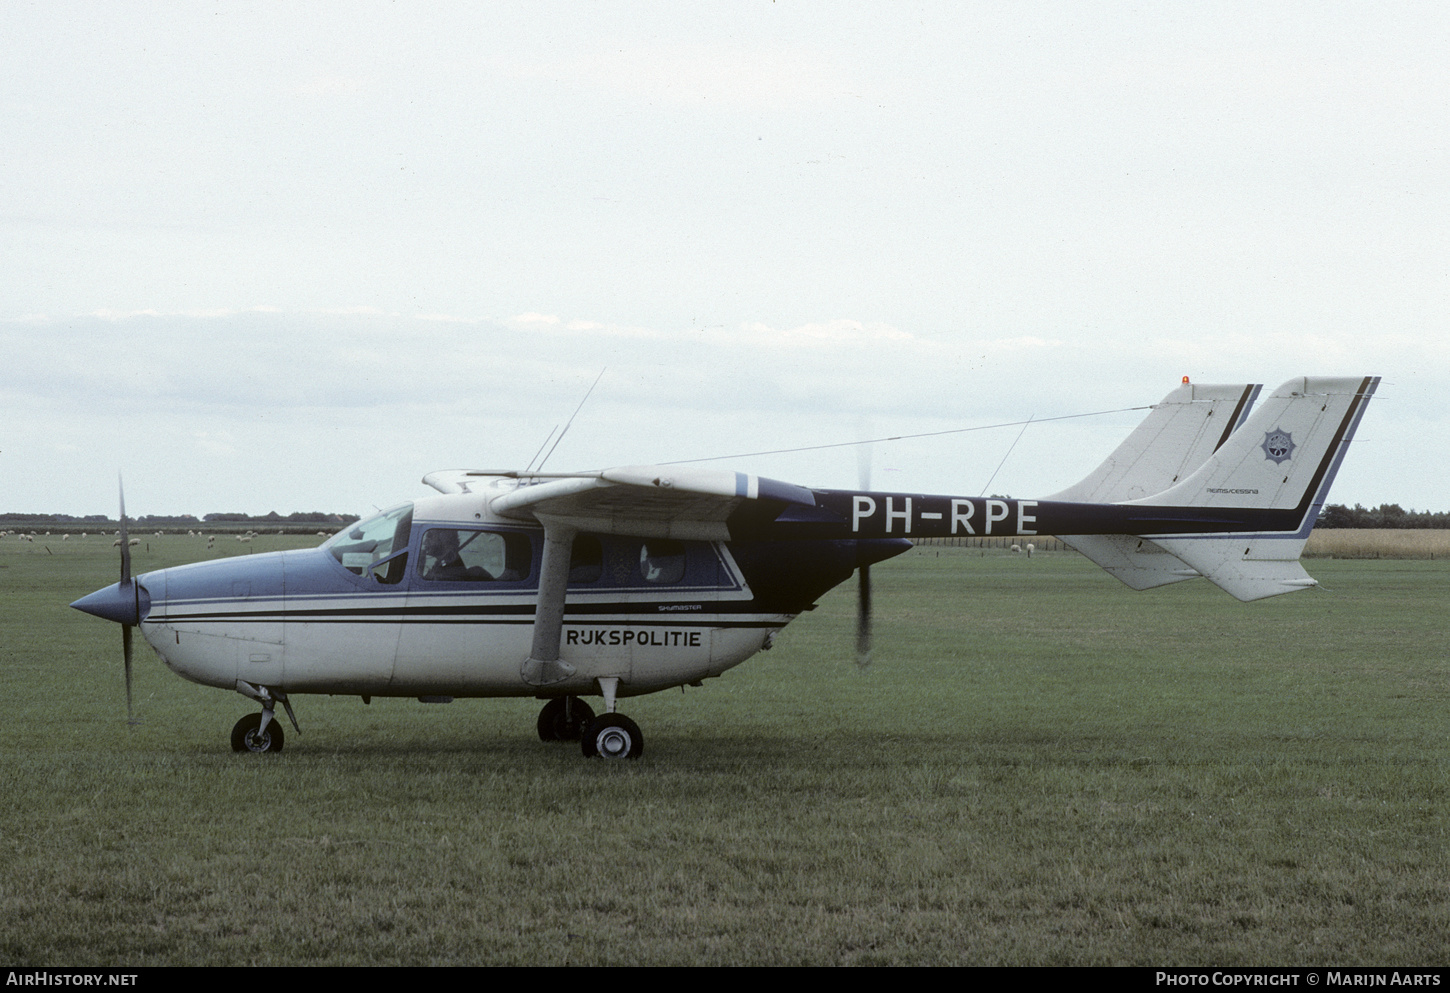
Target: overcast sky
x=293, y=256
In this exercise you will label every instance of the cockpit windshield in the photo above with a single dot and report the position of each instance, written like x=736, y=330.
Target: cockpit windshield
x=370, y=541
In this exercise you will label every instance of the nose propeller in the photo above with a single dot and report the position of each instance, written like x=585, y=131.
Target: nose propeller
x=123, y=603
x=126, y=580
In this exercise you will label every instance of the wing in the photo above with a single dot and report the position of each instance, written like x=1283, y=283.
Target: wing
x=649, y=501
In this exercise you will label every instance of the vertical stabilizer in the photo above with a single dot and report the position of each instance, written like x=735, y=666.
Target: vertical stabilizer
x=1281, y=462
x=1173, y=441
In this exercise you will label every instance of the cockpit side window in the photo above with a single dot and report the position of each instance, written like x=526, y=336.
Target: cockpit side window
x=369, y=542
x=454, y=555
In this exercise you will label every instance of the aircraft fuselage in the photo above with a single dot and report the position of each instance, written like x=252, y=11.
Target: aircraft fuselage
x=372, y=617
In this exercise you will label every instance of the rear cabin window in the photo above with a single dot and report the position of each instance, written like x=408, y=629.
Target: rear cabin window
x=607, y=562
x=459, y=555
x=662, y=562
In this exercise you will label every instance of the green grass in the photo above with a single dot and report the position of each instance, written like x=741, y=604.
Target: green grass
x=1040, y=766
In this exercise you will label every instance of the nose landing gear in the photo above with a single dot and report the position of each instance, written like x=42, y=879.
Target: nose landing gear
x=248, y=735
x=259, y=732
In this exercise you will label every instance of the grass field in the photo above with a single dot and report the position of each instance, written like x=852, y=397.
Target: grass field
x=1040, y=766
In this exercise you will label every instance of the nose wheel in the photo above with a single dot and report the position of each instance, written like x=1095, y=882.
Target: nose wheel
x=248, y=735
x=259, y=732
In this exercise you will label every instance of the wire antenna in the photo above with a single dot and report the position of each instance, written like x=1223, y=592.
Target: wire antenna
x=572, y=416
x=541, y=448
x=1004, y=457
x=905, y=437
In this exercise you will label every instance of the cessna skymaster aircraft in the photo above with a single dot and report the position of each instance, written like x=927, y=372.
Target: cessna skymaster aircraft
x=632, y=580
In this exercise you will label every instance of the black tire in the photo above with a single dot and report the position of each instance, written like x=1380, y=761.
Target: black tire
x=246, y=739
x=612, y=736
x=554, y=725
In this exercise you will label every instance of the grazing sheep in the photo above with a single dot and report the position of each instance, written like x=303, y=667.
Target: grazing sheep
x=1016, y=549
x=1030, y=549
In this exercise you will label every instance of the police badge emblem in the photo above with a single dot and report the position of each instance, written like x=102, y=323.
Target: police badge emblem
x=1278, y=446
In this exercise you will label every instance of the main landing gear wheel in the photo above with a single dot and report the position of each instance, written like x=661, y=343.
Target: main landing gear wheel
x=564, y=719
x=612, y=736
x=247, y=735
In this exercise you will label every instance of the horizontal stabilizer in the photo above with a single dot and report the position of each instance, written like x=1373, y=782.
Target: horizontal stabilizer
x=1247, y=569
x=1135, y=562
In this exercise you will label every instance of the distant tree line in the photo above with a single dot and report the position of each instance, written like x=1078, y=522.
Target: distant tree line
x=1386, y=515
x=273, y=519
x=312, y=517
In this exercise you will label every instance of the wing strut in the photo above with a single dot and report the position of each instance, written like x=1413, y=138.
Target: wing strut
x=543, y=666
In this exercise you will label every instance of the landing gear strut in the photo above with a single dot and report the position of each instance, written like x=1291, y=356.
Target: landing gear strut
x=611, y=735
x=564, y=719
x=259, y=732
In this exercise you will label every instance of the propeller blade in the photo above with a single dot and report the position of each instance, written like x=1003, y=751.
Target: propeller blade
x=125, y=541
x=863, y=578
x=126, y=653
x=863, y=617
x=135, y=596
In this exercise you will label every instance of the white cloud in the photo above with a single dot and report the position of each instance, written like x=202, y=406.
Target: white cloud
x=262, y=410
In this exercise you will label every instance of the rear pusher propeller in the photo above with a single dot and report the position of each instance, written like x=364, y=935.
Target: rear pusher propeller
x=863, y=578
x=863, y=616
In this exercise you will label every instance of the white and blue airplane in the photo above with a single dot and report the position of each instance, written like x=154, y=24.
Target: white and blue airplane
x=632, y=580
